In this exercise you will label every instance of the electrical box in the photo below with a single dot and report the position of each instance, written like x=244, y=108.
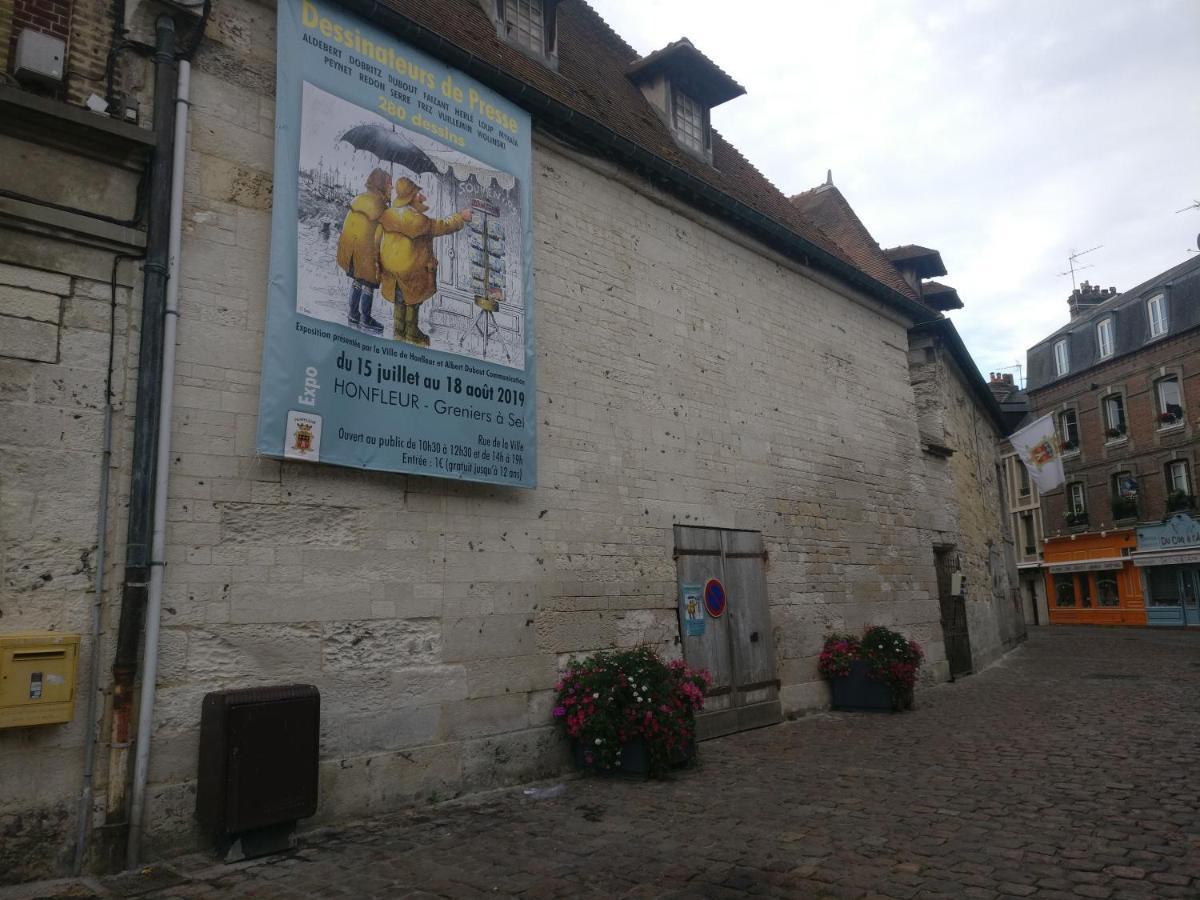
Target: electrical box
x=37, y=678
x=39, y=57
x=958, y=584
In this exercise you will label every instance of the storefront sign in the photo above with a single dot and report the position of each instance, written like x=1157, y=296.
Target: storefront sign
x=1186, y=558
x=400, y=304
x=1179, y=531
x=1088, y=565
x=692, y=610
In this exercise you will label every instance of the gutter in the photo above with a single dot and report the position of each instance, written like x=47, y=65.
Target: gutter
x=555, y=114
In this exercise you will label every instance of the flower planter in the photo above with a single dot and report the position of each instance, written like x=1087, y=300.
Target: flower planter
x=634, y=759
x=858, y=691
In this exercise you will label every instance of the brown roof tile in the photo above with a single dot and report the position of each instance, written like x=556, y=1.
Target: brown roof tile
x=827, y=208
x=591, y=81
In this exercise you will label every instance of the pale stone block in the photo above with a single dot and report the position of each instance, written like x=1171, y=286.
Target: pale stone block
x=373, y=644
x=28, y=339
x=26, y=304
x=34, y=280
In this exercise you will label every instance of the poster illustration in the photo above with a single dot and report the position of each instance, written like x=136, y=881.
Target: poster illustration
x=691, y=610
x=399, y=330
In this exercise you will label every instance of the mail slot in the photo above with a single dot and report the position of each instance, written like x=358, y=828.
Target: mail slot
x=37, y=678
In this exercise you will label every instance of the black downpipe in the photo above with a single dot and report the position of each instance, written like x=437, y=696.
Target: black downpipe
x=145, y=426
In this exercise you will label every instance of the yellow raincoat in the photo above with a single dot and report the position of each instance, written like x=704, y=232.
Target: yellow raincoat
x=357, y=254
x=406, y=252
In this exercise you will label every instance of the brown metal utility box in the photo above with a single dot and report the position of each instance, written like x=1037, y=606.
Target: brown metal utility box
x=258, y=757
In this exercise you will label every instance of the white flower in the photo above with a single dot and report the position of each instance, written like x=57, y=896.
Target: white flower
x=599, y=740
x=596, y=696
x=639, y=699
x=645, y=687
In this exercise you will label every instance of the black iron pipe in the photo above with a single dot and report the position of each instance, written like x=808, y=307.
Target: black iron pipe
x=150, y=359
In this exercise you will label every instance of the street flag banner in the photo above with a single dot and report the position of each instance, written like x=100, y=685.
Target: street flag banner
x=1038, y=446
x=400, y=318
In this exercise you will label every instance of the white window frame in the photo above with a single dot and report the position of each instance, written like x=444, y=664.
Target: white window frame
x=1062, y=357
x=1108, y=422
x=1156, y=315
x=687, y=116
x=1064, y=435
x=1104, y=338
x=1162, y=401
x=1077, y=497
x=525, y=24
x=1175, y=469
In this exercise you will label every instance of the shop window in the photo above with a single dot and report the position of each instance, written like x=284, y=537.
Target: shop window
x=1062, y=358
x=1115, y=426
x=1104, y=338
x=1163, y=585
x=1106, y=590
x=1068, y=431
x=1064, y=590
x=1156, y=313
x=1085, y=593
x=1170, y=402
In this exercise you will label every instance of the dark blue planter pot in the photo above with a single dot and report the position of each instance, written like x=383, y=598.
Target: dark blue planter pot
x=857, y=691
x=634, y=759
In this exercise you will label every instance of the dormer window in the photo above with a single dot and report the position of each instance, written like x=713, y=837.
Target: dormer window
x=524, y=24
x=689, y=119
x=528, y=25
x=682, y=85
x=1156, y=312
x=1062, y=358
x=1104, y=338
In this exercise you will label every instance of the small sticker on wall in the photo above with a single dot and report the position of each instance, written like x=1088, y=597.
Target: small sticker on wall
x=35, y=685
x=692, y=610
x=51, y=678
x=303, y=439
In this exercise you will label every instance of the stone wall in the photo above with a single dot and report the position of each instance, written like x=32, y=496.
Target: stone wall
x=686, y=376
x=963, y=491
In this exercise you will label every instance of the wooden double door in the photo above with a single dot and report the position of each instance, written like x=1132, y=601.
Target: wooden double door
x=737, y=645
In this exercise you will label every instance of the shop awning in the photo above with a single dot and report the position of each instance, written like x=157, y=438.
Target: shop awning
x=1088, y=565
x=1183, y=558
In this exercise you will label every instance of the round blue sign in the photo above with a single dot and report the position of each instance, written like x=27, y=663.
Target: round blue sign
x=714, y=597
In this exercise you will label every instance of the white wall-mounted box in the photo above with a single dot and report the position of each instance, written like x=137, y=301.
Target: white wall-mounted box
x=40, y=57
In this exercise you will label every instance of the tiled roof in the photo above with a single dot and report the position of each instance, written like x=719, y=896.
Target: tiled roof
x=940, y=296
x=591, y=82
x=828, y=209
x=927, y=261
x=713, y=84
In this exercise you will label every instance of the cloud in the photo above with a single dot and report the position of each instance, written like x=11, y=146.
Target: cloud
x=1005, y=134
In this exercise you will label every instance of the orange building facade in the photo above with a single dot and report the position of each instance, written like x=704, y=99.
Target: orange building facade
x=1091, y=580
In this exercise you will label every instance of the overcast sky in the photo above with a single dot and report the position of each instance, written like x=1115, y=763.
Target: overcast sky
x=1004, y=133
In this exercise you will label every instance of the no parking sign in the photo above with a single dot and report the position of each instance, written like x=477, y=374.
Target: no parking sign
x=715, y=600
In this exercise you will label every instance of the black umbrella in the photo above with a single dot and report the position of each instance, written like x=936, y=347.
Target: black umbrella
x=389, y=146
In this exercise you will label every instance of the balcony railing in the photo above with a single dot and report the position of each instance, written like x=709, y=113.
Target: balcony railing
x=1124, y=508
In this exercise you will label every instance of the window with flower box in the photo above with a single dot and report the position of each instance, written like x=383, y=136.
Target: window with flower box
x=1115, y=427
x=1124, y=495
x=1076, y=504
x=1170, y=402
x=1179, y=486
x=1068, y=431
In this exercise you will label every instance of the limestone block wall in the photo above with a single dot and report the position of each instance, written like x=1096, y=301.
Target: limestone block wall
x=685, y=376
x=964, y=494
x=55, y=318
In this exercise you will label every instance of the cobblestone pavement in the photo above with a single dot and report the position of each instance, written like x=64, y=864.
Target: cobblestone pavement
x=1070, y=769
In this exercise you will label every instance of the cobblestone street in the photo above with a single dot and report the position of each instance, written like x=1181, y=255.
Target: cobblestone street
x=1070, y=769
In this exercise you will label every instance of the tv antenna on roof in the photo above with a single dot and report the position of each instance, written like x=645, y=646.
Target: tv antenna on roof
x=1072, y=268
x=1195, y=204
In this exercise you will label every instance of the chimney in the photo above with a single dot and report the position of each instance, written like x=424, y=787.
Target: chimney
x=1001, y=385
x=1087, y=297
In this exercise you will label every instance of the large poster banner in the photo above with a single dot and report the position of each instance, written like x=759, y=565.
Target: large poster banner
x=400, y=305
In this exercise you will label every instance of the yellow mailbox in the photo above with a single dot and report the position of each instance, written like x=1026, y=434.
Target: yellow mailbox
x=37, y=677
